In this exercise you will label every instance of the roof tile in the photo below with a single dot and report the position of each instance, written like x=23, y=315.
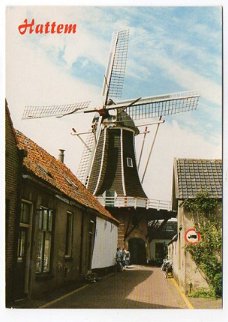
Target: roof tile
x=195, y=175
x=46, y=167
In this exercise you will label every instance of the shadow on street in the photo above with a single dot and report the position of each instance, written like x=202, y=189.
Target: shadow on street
x=135, y=287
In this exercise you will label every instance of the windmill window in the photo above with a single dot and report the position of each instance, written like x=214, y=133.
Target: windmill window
x=129, y=162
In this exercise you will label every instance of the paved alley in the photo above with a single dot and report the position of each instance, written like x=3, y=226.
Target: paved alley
x=135, y=287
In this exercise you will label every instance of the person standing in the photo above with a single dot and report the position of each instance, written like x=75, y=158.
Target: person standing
x=127, y=257
x=119, y=259
x=124, y=257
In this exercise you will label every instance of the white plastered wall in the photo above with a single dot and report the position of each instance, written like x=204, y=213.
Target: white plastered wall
x=184, y=268
x=105, y=244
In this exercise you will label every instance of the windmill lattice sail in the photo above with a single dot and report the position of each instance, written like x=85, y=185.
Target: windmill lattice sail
x=84, y=165
x=32, y=112
x=156, y=106
x=114, y=76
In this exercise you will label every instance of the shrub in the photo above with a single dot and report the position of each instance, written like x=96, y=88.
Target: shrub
x=205, y=293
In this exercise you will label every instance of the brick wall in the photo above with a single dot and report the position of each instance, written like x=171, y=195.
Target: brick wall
x=12, y=166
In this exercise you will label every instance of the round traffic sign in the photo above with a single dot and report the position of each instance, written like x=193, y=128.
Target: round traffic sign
x=192, y=236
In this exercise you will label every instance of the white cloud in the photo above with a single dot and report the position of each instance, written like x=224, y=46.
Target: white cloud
x=88, y=46
x=172, y=142
x=191, y=80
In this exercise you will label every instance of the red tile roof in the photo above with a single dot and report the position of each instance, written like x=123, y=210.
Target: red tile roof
x=43, y=165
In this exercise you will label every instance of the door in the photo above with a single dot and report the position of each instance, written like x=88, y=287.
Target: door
x=23, y=251
x=88, y=227
x=160, y=251
x=21, y=262
x=137, y=251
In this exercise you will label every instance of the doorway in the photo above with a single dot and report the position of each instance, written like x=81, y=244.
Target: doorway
x=137, y=251
x=23, y=251
x=160, y=251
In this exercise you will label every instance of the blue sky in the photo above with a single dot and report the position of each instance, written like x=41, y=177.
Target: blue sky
x=171, y=49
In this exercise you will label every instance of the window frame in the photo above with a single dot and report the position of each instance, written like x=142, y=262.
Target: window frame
x=129, y=162
x=46, y=231
x=25, y=228
x=69, y=237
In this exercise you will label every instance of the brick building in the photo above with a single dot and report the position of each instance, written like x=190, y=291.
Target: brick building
x=13, y=163
x=55, y=223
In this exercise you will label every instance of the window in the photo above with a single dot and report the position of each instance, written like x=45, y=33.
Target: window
x=69, y=234
x=23, y=234
x=25, y=213
x=21, y=245
x=44, y=241
x=129, y=162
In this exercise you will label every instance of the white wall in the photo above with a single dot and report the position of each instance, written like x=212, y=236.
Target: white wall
x=173, y=255
x=184, y=268
x=105, y=244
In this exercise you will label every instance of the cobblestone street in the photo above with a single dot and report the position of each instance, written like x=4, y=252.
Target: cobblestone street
x=135, y=287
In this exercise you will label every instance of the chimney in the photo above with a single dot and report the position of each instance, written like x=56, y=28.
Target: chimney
x=61, y=155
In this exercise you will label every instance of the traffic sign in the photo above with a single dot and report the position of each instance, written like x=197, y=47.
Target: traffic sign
x=192, y=236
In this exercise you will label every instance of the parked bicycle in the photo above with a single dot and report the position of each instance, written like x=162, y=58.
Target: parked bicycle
x=167, y=267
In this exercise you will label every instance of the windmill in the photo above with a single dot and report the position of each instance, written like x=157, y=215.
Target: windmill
x=108, y=167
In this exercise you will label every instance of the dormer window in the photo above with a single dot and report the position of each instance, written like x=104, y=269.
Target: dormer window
x=129, y=162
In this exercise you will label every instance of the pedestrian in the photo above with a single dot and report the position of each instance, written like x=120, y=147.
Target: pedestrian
x=119, y=259
x=124, y=257
x=127, y=257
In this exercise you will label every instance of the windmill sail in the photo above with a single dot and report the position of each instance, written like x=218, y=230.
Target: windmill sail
x=84, y=166
x=156, y=106
x=32, y=112
x=114, y=76
x=112, y=88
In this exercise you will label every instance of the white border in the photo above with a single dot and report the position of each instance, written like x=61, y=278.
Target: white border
x=113, y=315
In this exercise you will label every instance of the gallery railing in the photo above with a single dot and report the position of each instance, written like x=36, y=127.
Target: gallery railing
x=119, y=202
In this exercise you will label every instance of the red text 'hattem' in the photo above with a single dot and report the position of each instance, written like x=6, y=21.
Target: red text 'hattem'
x=48, y=27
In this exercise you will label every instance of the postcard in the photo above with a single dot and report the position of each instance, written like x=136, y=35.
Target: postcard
x=114, y=158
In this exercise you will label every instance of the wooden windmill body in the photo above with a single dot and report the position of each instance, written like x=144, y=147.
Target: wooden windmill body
x=108, y=167
x=114, y=169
